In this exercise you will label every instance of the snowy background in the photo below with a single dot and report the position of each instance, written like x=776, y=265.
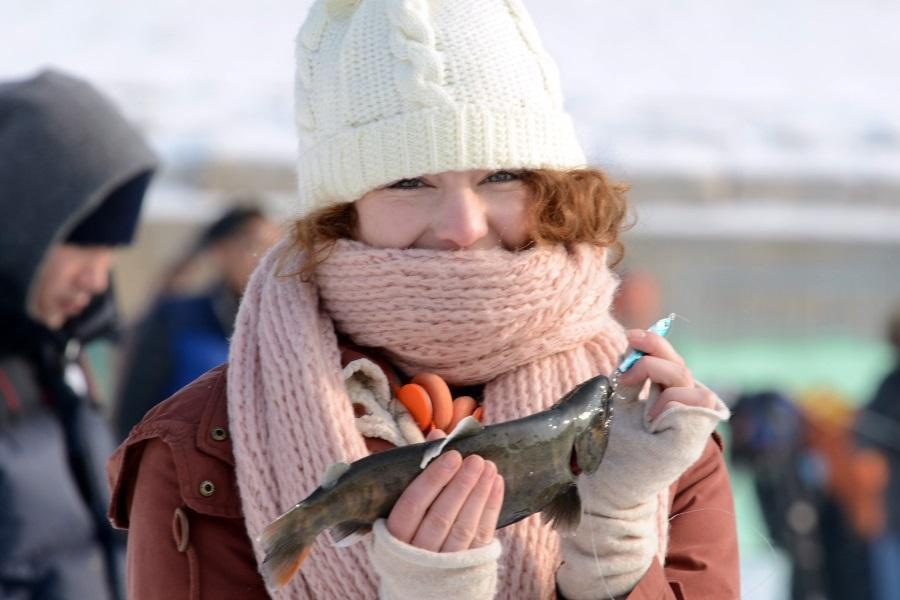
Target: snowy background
x=771, y=87
x=763, y=138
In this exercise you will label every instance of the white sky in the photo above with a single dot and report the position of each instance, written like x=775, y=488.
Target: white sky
x=697, y=86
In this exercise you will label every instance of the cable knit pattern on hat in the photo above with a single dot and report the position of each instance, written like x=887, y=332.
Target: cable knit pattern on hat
x=530, y=325
x=389, y=89
x=419, y=70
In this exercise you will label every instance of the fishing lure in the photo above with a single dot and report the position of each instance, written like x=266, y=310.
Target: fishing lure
x=662, y=328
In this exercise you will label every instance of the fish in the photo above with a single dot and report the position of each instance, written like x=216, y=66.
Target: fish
x=539, y=456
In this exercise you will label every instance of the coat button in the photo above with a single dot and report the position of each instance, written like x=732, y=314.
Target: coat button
x=207, y=488
x=219, y=434
x=181, y=530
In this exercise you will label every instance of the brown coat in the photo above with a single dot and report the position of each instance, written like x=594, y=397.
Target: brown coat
x=174, y=487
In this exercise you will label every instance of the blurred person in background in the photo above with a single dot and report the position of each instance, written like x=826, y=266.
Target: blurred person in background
x=851, y=481
x=819, y=491
x=73, y=173
x=767, y=431
x=879, y=426
x=185, y=335
x=638, y=301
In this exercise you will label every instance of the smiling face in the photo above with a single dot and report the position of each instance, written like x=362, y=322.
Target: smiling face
x=452, y=210
x=70, y=276
x=472, y=209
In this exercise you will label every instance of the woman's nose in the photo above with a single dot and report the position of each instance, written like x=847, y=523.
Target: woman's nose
x=462, y=220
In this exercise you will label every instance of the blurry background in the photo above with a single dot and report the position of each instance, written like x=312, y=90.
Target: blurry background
x=761, y=139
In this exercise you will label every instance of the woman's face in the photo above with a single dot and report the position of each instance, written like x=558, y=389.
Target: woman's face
x=452, y=210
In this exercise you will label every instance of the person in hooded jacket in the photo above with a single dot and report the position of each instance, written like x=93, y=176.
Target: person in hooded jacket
x=73, y=175
x=879, y=428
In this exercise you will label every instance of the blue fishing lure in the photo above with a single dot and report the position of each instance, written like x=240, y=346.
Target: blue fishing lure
x=661, y=327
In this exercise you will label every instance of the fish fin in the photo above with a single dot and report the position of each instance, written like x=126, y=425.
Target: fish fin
x=468, y=426
x=348, y=533
x=285, y=548
x=332, y=474
x=564, y=512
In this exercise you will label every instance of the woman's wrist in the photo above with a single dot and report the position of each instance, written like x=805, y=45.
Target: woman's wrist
x=408, y=572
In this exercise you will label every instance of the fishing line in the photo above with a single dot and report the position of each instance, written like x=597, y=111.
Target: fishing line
x=742, y=596
x=609, y=594
x=772, y=552
x=683, y=318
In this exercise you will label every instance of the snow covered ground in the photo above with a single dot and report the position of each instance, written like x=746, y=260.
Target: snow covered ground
x=697, y=87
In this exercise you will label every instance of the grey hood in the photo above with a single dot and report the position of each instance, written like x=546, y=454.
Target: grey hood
x=67, y=156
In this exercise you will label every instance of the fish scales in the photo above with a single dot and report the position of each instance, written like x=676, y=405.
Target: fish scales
x=534, y=455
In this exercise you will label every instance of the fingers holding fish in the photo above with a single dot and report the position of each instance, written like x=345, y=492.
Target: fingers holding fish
x=435, y=434
x=443, y=513
x=417, y=498
x=467, y=526
x=491, y=515
x=466, y=507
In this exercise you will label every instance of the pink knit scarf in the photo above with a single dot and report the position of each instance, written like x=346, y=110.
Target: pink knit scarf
x=529, y=325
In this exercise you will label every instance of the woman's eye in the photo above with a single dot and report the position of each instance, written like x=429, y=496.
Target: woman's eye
x=407, y=184
x=501, y=177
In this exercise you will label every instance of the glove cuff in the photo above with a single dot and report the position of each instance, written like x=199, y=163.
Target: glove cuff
x=608, y=554
x=410, y=573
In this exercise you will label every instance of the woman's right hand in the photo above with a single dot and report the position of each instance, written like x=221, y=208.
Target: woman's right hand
x=453, y=505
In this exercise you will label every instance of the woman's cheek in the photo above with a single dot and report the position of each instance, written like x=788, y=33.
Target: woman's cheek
x=511, y=218
x=399, y=227
x=389, y=233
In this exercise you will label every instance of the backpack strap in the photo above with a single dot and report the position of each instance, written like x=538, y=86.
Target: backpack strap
x=9, y=394
x=20, y=392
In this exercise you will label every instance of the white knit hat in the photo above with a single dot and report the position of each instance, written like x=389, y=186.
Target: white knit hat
x=390, y=89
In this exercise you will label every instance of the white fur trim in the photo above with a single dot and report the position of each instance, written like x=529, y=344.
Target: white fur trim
x=386, y=417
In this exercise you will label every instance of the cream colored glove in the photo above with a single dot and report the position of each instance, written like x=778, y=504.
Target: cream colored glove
x=618, y=535
x=410, y=573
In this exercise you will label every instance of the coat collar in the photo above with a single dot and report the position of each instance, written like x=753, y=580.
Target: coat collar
x=213, y=434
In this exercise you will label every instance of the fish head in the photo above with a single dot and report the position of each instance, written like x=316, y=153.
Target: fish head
x=592, y=433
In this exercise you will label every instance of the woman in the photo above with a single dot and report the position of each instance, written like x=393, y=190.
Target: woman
x=449, y=227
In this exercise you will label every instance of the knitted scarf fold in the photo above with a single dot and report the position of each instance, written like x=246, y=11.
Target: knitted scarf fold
x=529, y=325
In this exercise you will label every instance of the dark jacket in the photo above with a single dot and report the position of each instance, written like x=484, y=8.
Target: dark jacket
x=174, y=487
x=73, y=170
x=879, y=426
x=182, y=338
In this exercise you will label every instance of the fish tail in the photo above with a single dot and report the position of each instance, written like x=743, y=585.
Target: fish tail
x=286, y=543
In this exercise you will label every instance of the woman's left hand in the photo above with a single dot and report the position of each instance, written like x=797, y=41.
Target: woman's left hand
x=664, y=367
x=651, y=444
